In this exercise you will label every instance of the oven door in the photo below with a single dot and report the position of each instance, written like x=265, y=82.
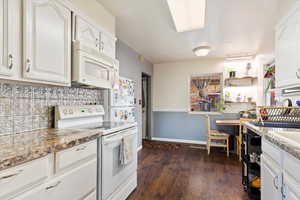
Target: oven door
x=114, y=174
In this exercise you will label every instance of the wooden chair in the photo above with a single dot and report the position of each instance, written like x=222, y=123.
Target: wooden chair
x=216, y=138
x=239, y=139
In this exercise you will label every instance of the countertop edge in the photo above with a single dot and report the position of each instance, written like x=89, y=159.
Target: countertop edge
x=20, y=159
x=284, y=145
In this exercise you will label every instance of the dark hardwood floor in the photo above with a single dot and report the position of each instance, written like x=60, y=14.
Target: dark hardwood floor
x=178, y=172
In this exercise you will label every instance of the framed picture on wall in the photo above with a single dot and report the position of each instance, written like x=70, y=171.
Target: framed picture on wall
x=205, y=92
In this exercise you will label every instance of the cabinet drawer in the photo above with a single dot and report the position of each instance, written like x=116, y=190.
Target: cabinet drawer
x=75, y=155
x=74, y=185
x=272, y=151
x=18, y=179
x=292, y=165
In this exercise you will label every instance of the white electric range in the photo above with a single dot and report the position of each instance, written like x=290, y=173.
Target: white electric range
x=115, y=180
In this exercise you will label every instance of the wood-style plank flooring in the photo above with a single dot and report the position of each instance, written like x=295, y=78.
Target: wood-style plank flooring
x=178, y=172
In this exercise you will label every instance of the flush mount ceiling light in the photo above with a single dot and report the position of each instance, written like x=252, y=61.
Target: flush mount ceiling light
x=202, y=51
x=187, y=15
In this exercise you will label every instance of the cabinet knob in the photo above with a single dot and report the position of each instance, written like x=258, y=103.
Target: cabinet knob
x=28, y=65
x=298, y=73
x=11, y=61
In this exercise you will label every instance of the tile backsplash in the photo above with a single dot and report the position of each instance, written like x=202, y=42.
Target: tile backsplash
x=26, y=108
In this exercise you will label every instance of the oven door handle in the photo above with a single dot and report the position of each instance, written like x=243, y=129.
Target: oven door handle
x=109, y=141
x=116, y=139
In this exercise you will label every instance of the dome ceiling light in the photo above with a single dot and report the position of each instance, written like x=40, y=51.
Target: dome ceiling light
x=202, y=51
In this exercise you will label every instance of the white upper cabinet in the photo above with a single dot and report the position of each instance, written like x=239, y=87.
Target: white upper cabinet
x=288, y=50
x=93, y=37
x=108, y=45
x=87, y=34
x=47, y=42
x=8, y=34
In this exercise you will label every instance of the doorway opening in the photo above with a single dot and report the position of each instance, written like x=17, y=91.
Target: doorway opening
x=146, y=106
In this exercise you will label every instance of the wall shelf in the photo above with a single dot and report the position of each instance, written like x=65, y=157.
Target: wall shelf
x=243, y=81
x=242, y=102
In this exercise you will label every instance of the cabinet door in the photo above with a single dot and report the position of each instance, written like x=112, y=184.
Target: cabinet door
x=7, y=37
x=47, y=41
x=288, y=50
x=87, y=34
x=271, y=179
x=108, y=45
x=74, y=185
x=291, y=188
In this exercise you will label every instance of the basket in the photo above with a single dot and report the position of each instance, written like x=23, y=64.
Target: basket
x=278, y=114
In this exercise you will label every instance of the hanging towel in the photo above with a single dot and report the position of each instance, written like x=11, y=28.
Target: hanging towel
x=126, y=150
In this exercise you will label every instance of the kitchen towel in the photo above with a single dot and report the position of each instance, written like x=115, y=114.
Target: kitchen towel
x=126, y=151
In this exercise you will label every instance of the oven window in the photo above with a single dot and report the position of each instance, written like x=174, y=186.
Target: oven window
x=96, y=70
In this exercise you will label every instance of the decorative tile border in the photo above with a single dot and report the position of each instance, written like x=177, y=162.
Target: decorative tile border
x=26, y=108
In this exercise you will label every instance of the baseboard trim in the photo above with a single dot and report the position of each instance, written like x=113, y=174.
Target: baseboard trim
x=140, y=148
x=179, y=140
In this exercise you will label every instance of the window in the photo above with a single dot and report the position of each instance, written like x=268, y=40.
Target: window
x=205, y=92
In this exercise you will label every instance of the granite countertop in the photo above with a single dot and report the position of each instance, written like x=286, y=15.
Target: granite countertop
x=287, y=139
x=20, y=148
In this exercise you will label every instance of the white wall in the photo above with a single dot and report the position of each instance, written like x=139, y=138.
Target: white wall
x=170, y=82
x=101, y=16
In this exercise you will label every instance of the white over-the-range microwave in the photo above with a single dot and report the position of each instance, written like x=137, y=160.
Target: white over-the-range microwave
x=92, y=68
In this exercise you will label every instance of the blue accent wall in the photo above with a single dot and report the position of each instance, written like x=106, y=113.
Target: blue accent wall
x=185, y=126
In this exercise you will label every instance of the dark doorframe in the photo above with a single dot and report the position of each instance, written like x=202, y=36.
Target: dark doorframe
x=146, y=107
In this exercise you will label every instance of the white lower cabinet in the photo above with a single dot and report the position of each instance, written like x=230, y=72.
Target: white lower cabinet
x=77, y=184
x=291, y=190
x=92, y=196
x=271, y=179
x=280, y=174
x=18, y=179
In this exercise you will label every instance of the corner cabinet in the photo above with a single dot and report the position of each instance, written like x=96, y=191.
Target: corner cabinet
x=288, y=49
x=8, y=35
x=47, y=42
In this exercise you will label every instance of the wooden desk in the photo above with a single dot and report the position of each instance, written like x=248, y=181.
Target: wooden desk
x=228, y=122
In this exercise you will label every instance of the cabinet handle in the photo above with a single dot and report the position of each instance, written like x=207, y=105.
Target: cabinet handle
x=11, y=61
x=28, y=65
x=102, y=46
x=53, y=186
x=283, y=191
x=81, y=149
x=11, y=175
x=298, y=73
x=275, y=182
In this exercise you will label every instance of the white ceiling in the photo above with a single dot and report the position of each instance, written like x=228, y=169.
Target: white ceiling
x=232, y=27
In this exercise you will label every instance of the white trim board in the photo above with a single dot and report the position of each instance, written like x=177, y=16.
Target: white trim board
x=179, y=140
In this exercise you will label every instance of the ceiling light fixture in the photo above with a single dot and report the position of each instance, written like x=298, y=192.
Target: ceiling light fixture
x=187, y=15
x=202, y=51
